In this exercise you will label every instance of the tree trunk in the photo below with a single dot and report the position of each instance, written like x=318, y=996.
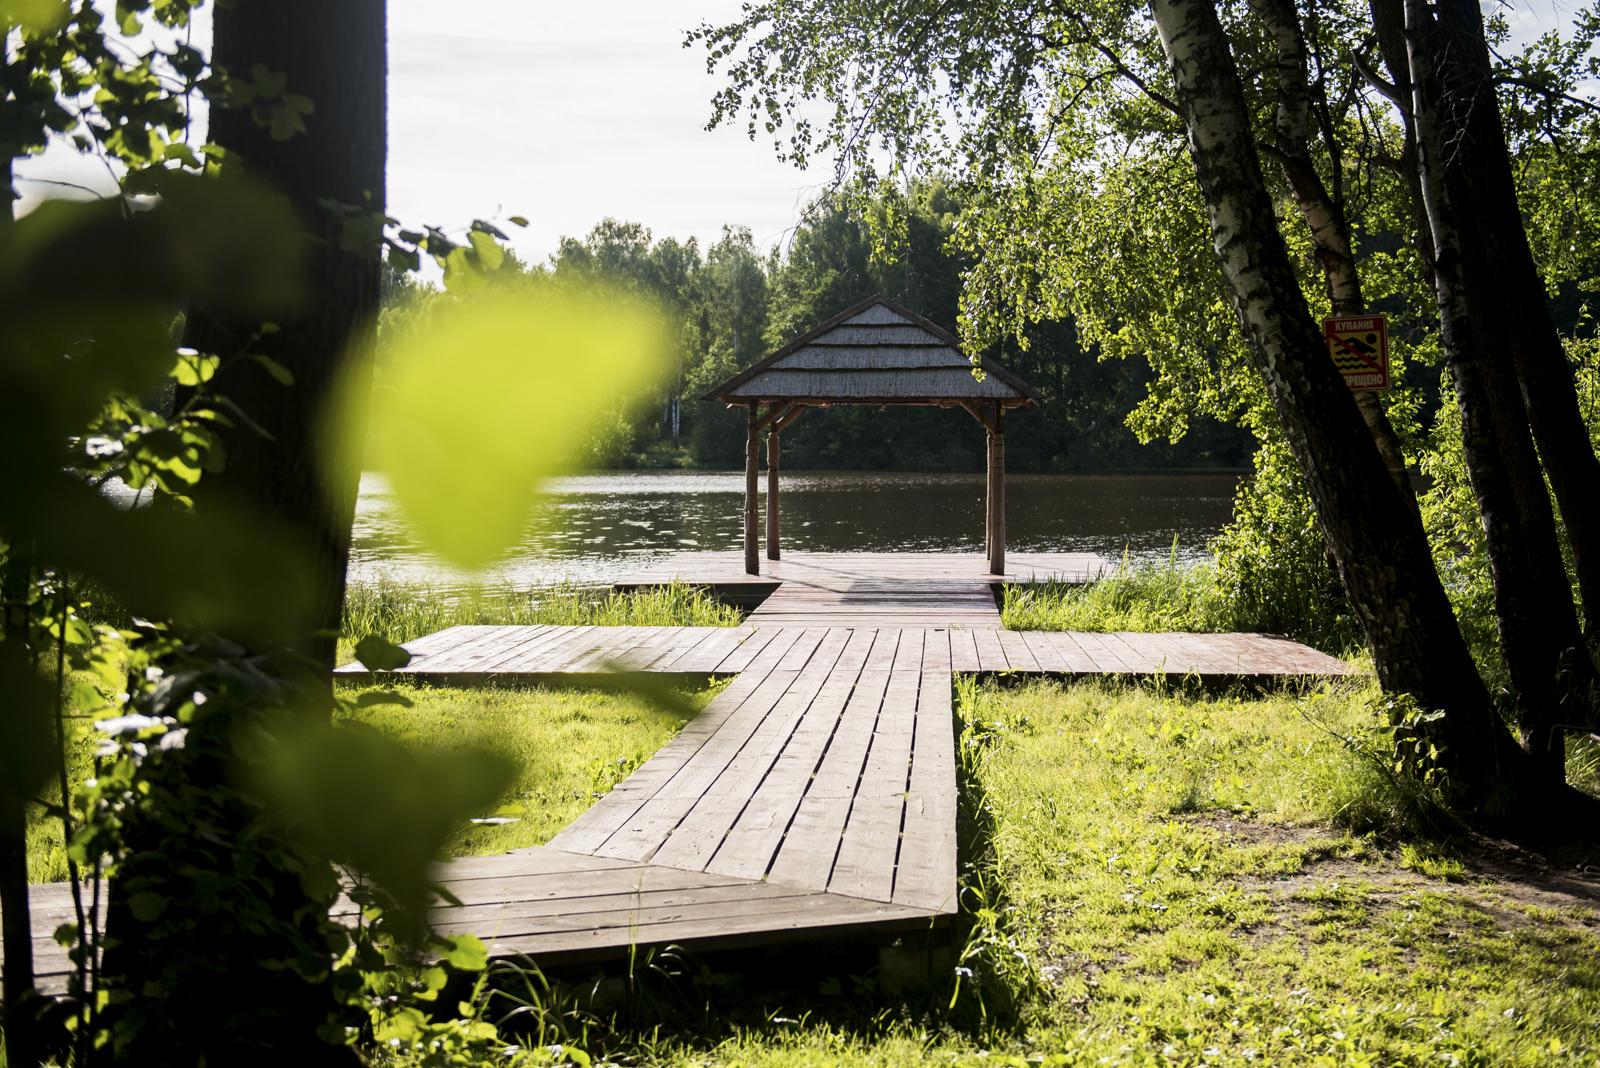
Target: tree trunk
x=16, y=916
x=1478, y=168
x=1323, y=214
x=1382, y=554
x=335, y=55
x=1538, y=624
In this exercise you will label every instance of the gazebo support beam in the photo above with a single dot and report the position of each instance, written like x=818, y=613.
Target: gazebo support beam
x=773, y=450
x=752, y=558
x=997, y=493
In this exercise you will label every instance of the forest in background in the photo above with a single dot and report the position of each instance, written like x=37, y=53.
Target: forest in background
x=733, y=303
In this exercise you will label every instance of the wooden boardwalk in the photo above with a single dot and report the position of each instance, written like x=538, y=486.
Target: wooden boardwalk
x=816, y=795
x=476, y=654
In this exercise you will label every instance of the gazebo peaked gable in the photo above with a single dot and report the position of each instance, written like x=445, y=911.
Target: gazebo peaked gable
x=875, y=352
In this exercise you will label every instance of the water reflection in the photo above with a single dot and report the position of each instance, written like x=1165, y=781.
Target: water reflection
x=599, y=527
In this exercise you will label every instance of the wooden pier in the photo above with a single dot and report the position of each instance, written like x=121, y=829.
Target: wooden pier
x=815, y=796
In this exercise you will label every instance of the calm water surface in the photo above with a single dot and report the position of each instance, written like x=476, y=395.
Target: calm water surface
x=600, y=527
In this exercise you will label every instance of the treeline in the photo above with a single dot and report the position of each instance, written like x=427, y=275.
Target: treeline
x=732, y=303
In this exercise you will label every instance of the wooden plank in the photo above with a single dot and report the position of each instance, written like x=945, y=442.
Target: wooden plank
x=715, y=925
x=1079, y=661
x=715, y=647
x=991, y=656
x=1018, y=655
x=1107, y=660
x=1045, y=654
x=645, y=831
x=963, y=651
x=700, y=835
x=868, y=847
x=925, y=870
x=753, y=840
x=806, y=855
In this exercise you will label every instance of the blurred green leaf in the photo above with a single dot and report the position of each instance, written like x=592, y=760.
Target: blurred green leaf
x=147, y=906
x=194, y=369
x=472, y=412
x=467, y=953
x=278, y=371
x=33, y=16
x=373, y=804
x=380, y=654
x=89, y=293
x=223, y=567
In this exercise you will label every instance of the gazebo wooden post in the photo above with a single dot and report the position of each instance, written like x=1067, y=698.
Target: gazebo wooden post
x=988, y=493
x=773, y=448
x=997, y=493
x=752, y=558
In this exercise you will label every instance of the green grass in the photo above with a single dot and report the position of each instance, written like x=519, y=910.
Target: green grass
x=1164, y=878
x=1172, y=596
x=570, y=747
x=1132, y=598
x=1175, y=879
x=402, y=611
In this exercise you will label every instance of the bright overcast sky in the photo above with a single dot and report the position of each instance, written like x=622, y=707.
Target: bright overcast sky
x=568, y=112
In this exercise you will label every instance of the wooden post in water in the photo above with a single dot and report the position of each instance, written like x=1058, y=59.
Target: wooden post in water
x=752, y=558
x=772, y=493
x=997, y=494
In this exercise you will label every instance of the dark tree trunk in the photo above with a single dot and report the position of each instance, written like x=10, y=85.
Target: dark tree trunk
x=16, y=937
x=334, y=54
x=1478, y=169
x=1538, y=624
x=1382, y=554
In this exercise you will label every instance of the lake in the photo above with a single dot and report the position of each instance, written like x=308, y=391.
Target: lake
x=597, y=528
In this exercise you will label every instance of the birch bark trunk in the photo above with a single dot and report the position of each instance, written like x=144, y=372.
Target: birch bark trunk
x=1323, y=213
x=1382, y=554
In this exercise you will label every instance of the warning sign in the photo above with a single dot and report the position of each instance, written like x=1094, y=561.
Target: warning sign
x=1359, y=345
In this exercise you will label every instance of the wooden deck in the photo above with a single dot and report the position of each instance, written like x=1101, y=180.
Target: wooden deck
x=475, y=654
x=815, y=796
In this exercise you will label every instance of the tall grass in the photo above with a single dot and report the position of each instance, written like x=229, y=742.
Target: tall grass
x=402, y=611
x=1172, y=596
x=1134, y=597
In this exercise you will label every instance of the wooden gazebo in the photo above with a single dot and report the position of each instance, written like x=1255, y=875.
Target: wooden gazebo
x=876, y=353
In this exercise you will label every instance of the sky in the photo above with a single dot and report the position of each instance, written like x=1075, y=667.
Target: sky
x=566, y=112
x=560, y=112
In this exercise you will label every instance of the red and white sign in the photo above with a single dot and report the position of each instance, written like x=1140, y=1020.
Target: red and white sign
x=1359, y=345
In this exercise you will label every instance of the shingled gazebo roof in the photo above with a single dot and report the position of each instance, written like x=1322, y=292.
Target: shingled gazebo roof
x=876, y=352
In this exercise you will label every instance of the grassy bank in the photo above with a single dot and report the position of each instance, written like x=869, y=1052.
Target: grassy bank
x=1163, y=879
x=1173, y=596
x=401, y=611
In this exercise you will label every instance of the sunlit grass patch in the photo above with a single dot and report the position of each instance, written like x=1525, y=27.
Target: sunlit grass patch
x=1134, y=597
x=1198, y=892
x=570, y=746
